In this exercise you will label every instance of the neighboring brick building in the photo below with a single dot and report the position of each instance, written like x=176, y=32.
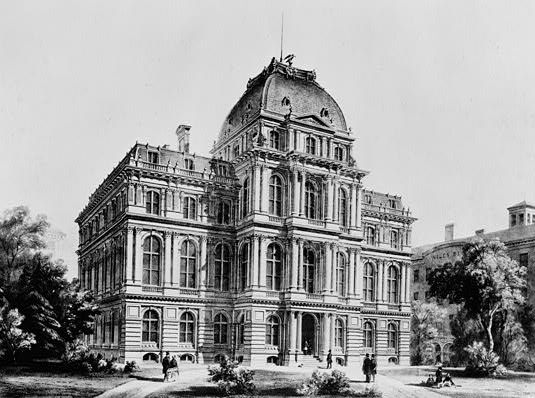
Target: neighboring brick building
x=519, y=239
x=267, y=251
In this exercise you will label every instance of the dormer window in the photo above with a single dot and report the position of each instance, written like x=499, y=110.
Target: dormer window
x=392, y=203
x=339, y=153
x=368, y=199
x=274, y=140
x=153, y=157
x=188, y=164
x=310, y=145
x=324, y=112
x=285, y=101
x=222, y=170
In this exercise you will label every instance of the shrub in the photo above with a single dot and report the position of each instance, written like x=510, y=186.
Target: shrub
x=482, y=362
x=86, y=368
x=231, y=378
x=131, y=366
x=334, y=383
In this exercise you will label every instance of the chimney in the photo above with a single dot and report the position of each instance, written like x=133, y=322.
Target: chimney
x=448, y=232
x=480, y=232
x=182, y=133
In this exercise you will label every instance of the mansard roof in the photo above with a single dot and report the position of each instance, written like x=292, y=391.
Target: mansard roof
x=282, y=89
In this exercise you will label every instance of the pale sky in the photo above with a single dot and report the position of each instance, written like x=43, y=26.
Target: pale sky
x=441, y=94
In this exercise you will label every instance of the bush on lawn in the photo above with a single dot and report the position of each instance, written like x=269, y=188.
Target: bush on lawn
x=131, y=366
x=482, y=362
x=78, y=358
x=334, y=383
x=232, y=379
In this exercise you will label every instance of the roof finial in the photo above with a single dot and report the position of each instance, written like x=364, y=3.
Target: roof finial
x=282, y=33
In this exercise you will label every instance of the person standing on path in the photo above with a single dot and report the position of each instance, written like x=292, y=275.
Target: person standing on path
x=166, y=362
x=329, y=360
x=366, y=365
x=373, y=367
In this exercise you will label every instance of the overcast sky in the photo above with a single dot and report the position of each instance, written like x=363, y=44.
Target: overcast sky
x=441, y=94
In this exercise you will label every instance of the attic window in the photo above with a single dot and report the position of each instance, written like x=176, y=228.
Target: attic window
x=392, y=203
x=285, y=101
x=324, y=112
x=368, y=199
x=153, y=157
x=188, y=164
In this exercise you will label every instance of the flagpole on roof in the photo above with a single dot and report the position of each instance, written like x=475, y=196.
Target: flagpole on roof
x=282, y=32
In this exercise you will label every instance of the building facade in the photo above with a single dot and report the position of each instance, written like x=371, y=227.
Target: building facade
x=270, y=250
x=519, y=239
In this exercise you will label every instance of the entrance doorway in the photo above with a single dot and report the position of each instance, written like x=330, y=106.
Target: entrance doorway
x=308, y=335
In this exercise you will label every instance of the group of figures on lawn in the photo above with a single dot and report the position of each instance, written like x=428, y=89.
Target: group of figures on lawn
x=169, y=368
x=369, y=368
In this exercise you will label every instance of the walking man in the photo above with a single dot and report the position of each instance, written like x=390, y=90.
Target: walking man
x=366, y=367
x=329, y=360
x=166, y=362
x=373, y=367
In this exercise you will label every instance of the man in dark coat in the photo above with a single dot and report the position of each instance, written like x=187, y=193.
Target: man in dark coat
x=166, y=362
x=329, y=360
x=366, y=367
x=373, y=367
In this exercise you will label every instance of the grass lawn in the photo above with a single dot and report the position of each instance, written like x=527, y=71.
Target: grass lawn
x=49, y=381
x=269, y=383
x=513, y=385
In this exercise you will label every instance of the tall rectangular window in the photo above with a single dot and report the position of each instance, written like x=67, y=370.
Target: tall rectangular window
x=523, y=260
x=153, y=157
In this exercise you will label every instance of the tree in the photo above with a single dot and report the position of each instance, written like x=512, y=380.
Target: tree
x=12, y=338
x=20, y=236
x=425, y=317
x=487, y=282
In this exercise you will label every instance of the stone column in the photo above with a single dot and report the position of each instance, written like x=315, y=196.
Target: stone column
x=264, y=195
x=352, y=273
x=295, y=265
x=204, y=262
x=292, y=326
x=138, y=267
x=408, y=277
x=353, y=211
x=296, y=193
x=359, y=274
x=302, y=199
x=335, y=200
x=254, y=262
x=300, y=264
x=299, y=331
x=402, y=279
x=167, y=263
x=262, y=243
x=329, y=198
x=328, y=268
x=129, y=254
x=175, y=266
x=359, y=206
x=334, y=266
x=332, y=319
x=380, y=280
x=256, y=187
x=326, y=333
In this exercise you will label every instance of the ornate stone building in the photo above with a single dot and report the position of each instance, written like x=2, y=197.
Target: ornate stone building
x=270, y=250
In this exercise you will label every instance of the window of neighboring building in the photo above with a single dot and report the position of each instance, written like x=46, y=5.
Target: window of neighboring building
x=244, y=265
x=188, y=164
x=274, y=140
x=272, y=330
x=150, y=327
x=368, y=292
x=274, y=267
x=275, y=196
x=523, y=260
x=394, y=240
x=339, y=333
x=521, y=219
x=245, y=198
x=367, y=335
x=340, y=274
x=151, y=261
x=189, y=208
x=416, y=295
x=309, y=268
x=222, y=267
x=339, y=153
x=311, y=201
x=152, y=203
x=342, y=207
x=187, y=328
x=153, y=157
x=370, y=235
x=392, y=336
x=188, y=259
x=416, y=276
x=223, y=212
x=392, y=284
x=513, y=220
x=220, y=329
x=310, y=145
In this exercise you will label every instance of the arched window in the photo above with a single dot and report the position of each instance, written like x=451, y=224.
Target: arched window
x=339, y=153
x=368, y=292
x=241, y=330
x=223, y=212
x=309, y=268
x=370, y=236
x=274, y=267
x=392, y=336
x=151, y=327
x=244, y=265
x=274, y=140
x=220, y=329
x=222, y=267
x=311, y=200
x=367, y=334
x=272, y=330
x=151, y=261
x=245, y=198
x=187, y=328
x=339, y=334
x=188, y=260
x=392, y=284
x=394, y=239
x=310, y=145
x=190, y=208
x=340, y=274
x=152, y=203
x=342, y=207
x=275, y=196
